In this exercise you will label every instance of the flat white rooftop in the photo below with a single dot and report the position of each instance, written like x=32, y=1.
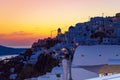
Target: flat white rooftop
x=111, y=77
x=96, y=55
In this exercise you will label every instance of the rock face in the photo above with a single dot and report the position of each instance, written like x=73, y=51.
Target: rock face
x=44, y=64
x=23, y=69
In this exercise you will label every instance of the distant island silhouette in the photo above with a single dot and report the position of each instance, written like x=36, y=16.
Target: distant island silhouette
x=10, y=51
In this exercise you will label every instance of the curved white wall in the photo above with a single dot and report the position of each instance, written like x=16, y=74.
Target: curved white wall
x=95, y=55
x=82, y=74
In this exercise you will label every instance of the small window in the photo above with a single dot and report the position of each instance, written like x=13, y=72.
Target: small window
x=82, y=55
x=117, y=55
x=100, y=55
x=106, y=74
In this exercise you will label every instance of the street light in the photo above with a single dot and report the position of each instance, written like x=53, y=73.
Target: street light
x=65, y=65
x=70, y=52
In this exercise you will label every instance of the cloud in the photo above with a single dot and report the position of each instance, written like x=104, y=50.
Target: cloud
x=21, y=33
x=16, y=35
x=2, y=35
x=20, y=38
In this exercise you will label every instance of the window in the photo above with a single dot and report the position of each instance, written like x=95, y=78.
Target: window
x=82, y=55
x=100, y=55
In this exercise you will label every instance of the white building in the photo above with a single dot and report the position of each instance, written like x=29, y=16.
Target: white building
x=95, y=55
x=91, y=56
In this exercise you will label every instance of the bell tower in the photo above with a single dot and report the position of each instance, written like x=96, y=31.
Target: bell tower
x=59, y=31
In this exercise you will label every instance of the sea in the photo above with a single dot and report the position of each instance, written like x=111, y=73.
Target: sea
x=7, y=56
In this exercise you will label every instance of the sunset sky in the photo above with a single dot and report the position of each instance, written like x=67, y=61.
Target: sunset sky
x=22, y=22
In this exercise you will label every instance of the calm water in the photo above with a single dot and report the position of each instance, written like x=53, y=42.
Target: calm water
x=6, y=56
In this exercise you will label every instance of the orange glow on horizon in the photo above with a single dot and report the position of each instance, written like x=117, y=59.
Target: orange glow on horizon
x=34, y=19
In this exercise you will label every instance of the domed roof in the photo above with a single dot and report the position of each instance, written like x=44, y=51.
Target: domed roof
x=59, y=29
x=71, y=27
x=95, y=55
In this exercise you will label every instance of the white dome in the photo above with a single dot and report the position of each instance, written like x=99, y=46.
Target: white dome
x=95, y=55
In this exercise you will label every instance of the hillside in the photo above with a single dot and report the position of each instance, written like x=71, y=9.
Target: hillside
x=9, y=51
